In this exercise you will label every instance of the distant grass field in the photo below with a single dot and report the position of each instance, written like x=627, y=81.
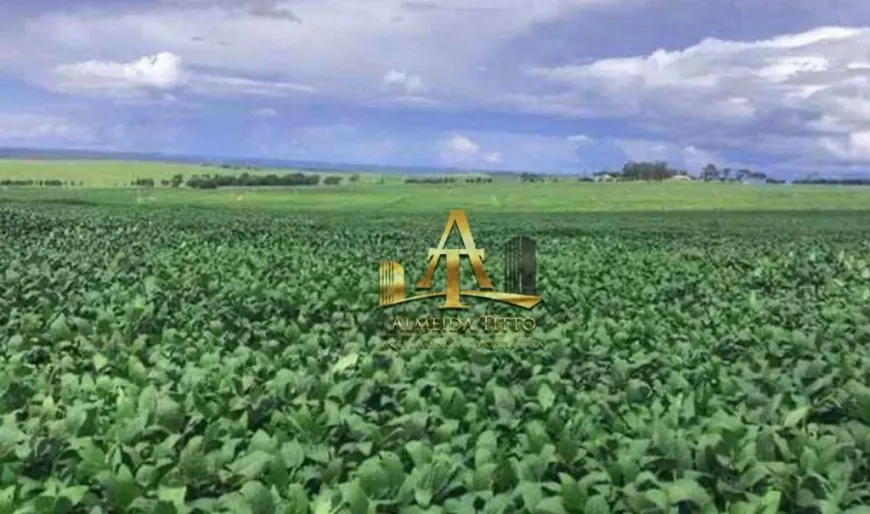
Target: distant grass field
x=500, y=196
x=97, y=173
x=393, y=196
x=103, y=173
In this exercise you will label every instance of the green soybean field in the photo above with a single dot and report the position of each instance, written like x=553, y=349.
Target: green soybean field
x=179, y=360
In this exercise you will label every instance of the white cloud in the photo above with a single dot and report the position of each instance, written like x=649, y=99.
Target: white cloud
x=410, y=84
x=461, y=144
x=164, y=71
x=342, y=47
x=17, y=128
x=263, y=8
x=492, y=157
x=580, y=139
x=460, y=150
x=854, y=147
x=265, y=112
x=523, y=151
x=800, y=96
x=213, y=85
x=810, y=83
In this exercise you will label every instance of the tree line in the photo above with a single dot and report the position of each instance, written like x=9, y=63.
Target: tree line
x=832, y=181
x=226, y=166
x=40, y=183
x=661, y=170
x=447, y=180
x=271, y=180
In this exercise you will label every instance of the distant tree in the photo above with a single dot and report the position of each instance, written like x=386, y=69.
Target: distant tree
x=709, y=172
x=658, y=170
x=164, y=182
x=332, y=180
x=354, y=178
x=247, y=180
x=817, y=179
x=176, y=180
x=430, y=180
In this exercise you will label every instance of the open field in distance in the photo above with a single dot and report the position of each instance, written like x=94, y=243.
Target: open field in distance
x=108, y=182
x=499, y=196
x=108, y=173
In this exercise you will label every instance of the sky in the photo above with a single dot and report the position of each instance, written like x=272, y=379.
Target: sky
x=560, y=86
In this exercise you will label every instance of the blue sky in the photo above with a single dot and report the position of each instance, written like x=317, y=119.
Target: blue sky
x=545, y=85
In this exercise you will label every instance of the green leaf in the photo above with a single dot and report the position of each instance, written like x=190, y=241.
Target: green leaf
x=7, y=500
x=148, y=400
x=345, y=362
x=420, y=453
x=829, y=507
x=570, y=490
x=796, y=416
x=546, y=397
x=687, y=490
x=100, y=361
x=481, y=478
x=293, y=454
x=531, y=493
x=770, y=502
x=355, y=497
x=122, y=488
x=261, y=442
x=503, y=399
x=323, y=504
x=10, y=437
x=165, y=507
x=597, y=505
x=251, y=465
x=297, y=500
x=59, y=328
x=258, y=498
x=174, y=495
x=657, y=497
x=551, y=505
x=75, y=494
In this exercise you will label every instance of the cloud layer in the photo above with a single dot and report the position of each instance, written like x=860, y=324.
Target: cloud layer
x=455, y=79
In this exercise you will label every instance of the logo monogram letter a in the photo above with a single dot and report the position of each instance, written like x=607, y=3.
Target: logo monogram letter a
x=452, y=255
